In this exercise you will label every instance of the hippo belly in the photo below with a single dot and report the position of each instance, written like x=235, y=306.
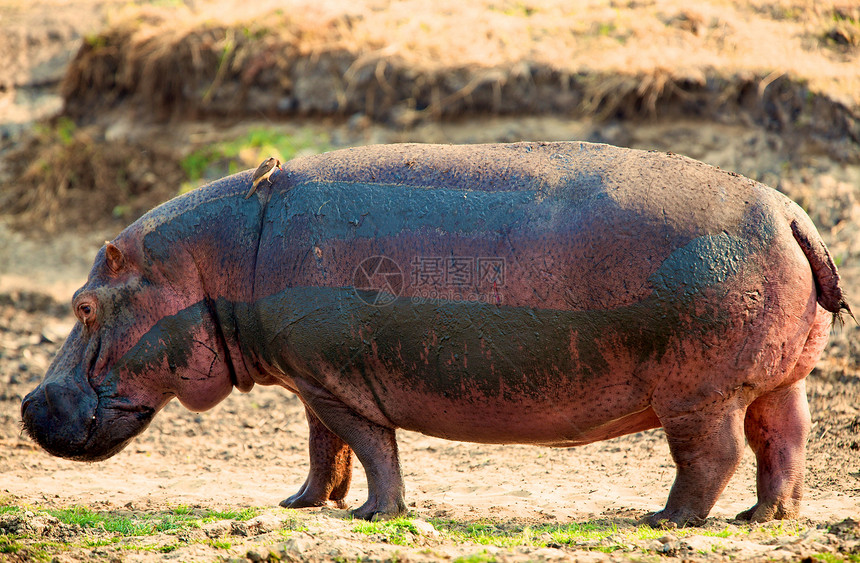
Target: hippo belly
x=465, y=370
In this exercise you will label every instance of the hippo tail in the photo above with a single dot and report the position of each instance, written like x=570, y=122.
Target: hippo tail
x=824, y=269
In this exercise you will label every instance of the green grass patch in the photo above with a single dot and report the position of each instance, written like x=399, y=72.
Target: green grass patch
x=400, y=531
x=503, y=535
x=594, y=535
x=116, y=529
x=292, y=524
x=63, y=130
x=125, y=524
x=167, y=548
x=213, y=515
x=482, y=557
x=87, y=518
x=9, y=545
x=248, y=151
x=778, y=528
x=834, y=558
x=42, y=551
x=99, y=542
x=724, y=533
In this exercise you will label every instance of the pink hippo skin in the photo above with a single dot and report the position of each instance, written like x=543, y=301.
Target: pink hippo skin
x=538, y=293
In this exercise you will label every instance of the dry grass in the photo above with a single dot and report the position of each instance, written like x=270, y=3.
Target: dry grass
x=67, y=178
x=396, y=61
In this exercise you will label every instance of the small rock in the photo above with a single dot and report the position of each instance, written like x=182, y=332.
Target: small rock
x=217, y=529
x=669, y=547
x=668, y=538
x=254, y=556
x=781, y=555
x=848, y=527
x=239, y=529
x=425, y=528
x=298, y=544
x=699, y=543
x=820, y=547
x=812, y=534
x=264, y=523
x=344, y=550
x=42, y=524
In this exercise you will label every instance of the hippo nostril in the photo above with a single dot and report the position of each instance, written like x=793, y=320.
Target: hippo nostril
x=25, y=404
x=47, y=396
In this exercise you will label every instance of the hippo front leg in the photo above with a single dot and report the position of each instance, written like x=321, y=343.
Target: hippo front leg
x=373, y=444
x=331, y=468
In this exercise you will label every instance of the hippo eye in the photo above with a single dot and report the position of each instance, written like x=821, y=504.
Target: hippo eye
x=85, y=312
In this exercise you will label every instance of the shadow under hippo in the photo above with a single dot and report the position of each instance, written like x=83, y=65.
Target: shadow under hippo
x=537, y=293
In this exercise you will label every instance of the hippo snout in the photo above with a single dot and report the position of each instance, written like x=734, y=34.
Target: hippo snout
x=60, y=417
x=69, y=420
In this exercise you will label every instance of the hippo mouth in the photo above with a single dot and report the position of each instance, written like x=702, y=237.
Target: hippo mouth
x=76, y=424
x=113, y=427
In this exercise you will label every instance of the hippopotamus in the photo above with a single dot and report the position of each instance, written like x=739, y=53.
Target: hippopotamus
x=551, y=294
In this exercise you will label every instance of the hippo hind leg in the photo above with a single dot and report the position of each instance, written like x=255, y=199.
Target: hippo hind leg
x=707, y=447
x=777, y=426
x=330, y=471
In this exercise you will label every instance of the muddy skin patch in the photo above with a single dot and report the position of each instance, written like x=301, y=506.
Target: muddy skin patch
x=439, y=345
x=168, y=341
x=702, y=263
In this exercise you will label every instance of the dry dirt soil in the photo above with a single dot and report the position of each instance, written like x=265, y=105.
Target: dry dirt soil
x=250, y=451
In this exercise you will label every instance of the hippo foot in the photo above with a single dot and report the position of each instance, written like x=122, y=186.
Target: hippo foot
x=764, y=512
x=299, y=500
x=372, y=510
x=666, y=520
x=306, y=498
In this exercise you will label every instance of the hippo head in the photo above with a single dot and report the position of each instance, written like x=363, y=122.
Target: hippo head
x=145, y=333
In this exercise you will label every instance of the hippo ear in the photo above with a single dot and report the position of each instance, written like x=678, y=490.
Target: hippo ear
x=114, y=258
